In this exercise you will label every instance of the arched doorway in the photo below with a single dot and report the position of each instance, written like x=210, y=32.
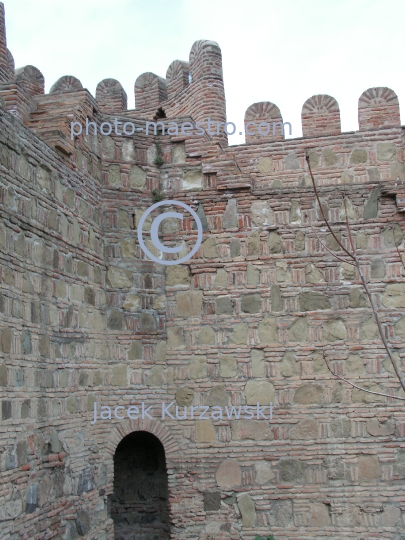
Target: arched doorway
x=139, y=504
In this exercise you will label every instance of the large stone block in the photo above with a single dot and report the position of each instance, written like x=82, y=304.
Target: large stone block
x=177, y=275
x=334, y=330
x=155, y=377
x=209, y=247
x=252, y=430
x=313, y=301
x=298, y=331
x=261, y=213
x=204, y=431
x=309, y=394
x=258, y=363
x=380, y=429
x=306, y=430
x=394, y=295
x=369, y=469
x=239, y=334
x=189, y=303
x=206, y=336
x=274, y=242
x=198, y=367
x=268, y=330
x=230, y=215
x=291, y=470
x=248, y=511
x=184, y=396
x=252, y=275
x=288, y=366
x=218, y=396
x=119, y=278
x=175, y=337
x=263, y=472
x=223, y=305
x=229, y=474
x=119, y=375
x=228, y=366
x=259, y=392
x=251, y=303
x=313, y=274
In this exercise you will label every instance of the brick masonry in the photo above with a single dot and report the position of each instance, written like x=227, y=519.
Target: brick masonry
x=86, y=317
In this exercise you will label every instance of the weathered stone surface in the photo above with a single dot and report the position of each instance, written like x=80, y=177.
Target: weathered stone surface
x=230, y=215
x=288, y=366
x=258, y=363
x=291, y=161
x=116, y=319
x=369, y=469
x=312, y=301
x=261, y=214
x=71, y=405
x=329, y=157
x=309, y=394
x=192, y=180
x=253, y=430
x=334, y=330
x=235, y=247
x=355, y=364
x=248, y=511
x=347, y=272
x=359, y=155
x=137, y=177
x=319, y=515
x=268, y=330
x=399, y=467
x=341, y=427
x=177, y=275
x=223, y=305
x=212, y=501
x=189, y=303
x=357, y=299
x=390, y=516
x=206, y=336
x=135, y=351
x=198, y=367
x=331, y=241
x=253, y=244
x=252, y=275
x=209, y=247
x=229, y=474
x=6, y=337
x=371, y=206
x=359, y=396
x=263, y=472
x=394, y=295
x=148, y=323
x=299, y=241
x=218, y=396
x=175, y=337
x=251, y=303
x=276, y=298
x=291, y=470
x=259, y=392
x=319, y=365
x=380, y=429
x=184, y=396
x=295, y=212
x=282, y=513
x=228, y=366
x=83, y=522
x=119, y=278
x=393, y=235
x=313, y=274
x=386, y=151
x=221, y=279
x=119, y=375
x=305, y=430
x=377, y=268
x=204, y=431
x=132, y=302
x=274, y=242
x=155, y=377
x=265, y=165
x=298, y=331
x=369, y=329
x=387, y=364
x=239, y=334
x=31, y=499
x=335, y=468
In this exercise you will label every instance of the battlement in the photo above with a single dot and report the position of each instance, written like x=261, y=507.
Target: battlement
x=194, y=88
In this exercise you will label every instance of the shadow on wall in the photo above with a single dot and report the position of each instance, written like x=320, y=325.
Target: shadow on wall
x=139, y=504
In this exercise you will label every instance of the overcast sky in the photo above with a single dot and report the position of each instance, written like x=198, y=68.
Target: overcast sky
x=283, y=51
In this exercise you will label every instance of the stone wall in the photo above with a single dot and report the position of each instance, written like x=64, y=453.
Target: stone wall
x=87, y=319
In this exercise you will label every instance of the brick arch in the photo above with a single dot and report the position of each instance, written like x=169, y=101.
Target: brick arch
x=264, y=111
x=111, y=96
x=177, y=77
x=152, y=426
x=31, y=79
x=320, y=116
x=67, y=83
x=378, y=107
x=150, y=91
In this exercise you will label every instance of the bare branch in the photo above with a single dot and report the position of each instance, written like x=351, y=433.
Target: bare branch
x=327, y=249
x=322, y=212
x=359, y=387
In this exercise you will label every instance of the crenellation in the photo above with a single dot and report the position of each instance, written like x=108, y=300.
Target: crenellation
x=378, y=108
x=31, y=80
x=320, y=116
x=111, y=96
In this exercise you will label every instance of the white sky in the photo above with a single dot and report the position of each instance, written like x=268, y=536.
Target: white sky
x=283, y=51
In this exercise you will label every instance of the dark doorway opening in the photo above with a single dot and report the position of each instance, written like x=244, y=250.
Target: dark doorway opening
x=139, y=504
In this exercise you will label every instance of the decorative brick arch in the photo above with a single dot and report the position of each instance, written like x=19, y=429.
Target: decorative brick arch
x=152, y=426
x=378, y=108
x=264, y=111
x=67, y=83
x=320, y=116
x=31, y=79
x=111, y=97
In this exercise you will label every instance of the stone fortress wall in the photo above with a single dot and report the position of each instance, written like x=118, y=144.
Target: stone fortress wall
x=85, y=317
